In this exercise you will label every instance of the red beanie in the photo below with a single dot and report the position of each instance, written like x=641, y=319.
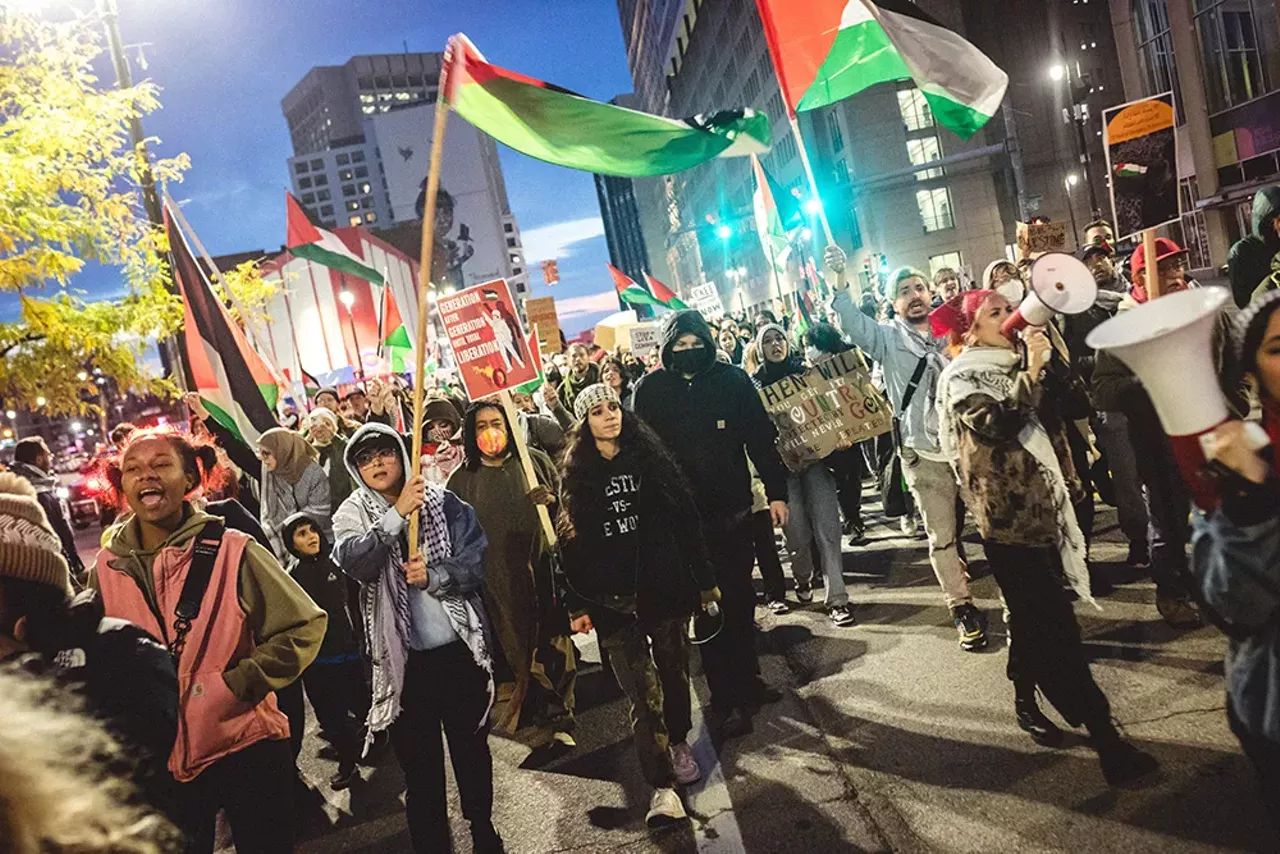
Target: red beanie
x=956, y=314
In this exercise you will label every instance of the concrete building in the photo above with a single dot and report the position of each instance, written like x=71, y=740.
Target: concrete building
x=1221, y=58
x=891, y=181
x=361, y=133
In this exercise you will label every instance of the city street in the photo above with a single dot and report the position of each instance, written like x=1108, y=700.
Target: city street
x=889, y=738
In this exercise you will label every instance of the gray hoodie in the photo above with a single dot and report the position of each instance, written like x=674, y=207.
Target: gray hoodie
x=898, y=348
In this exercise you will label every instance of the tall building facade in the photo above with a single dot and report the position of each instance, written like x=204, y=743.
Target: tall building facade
x=1221, y=59
x=361, y=134
x=622, y=231
x=891, y=181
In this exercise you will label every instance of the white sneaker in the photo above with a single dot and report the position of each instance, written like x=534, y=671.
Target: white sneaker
x=907, y=524
x=665, y=809
x=684, y=765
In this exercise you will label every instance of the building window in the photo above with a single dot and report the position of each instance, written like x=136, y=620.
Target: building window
x=308, y=198
x=371, y=217
x=935, y=209
x=317, y=164
x=925, y=150
x=842, y=171
x=362, y=172
x=354, y=219
x=1155, y=49
x=947, y=259
x=304, y=183
x=344, y=175
x=366, y=187
x=515, y=271
x=322, y=180
x=323, y=196
x=367, y=203
x=508, y=227
x=357, y=157
x=511, y=242
x=752, y=87
x=353, y=205
x=914, y=109
x=837, y=135
x=348, y=189
x=326, y=210
x=300, y=167
x=343, y=159
x=1234, y=36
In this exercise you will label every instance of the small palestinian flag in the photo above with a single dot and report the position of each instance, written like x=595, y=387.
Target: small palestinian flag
x=536, y=351
x=1130, y=170
x=394, y=343
x=769, y=227
x=664, y=294
x=558, y=126
x=827, y=50
x=629, y=291
x=323, y=247
x=234, y=382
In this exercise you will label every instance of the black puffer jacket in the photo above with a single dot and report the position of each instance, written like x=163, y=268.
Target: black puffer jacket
x=708, y=421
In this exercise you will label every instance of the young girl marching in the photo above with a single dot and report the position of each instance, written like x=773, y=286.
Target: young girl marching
x=1017, y=481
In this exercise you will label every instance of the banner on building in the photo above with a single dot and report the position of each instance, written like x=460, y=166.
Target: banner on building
x=541, y=312
x=1142, y=164
x=706, y=299
x=830, y=406
x=489, y=345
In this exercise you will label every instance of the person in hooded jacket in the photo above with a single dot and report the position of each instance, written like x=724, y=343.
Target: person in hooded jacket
x=256, y=632
x=1251, y=259
x=635, y=568
x=428, y=631
x=334, y=681
x=537, y=668
x=442, y=450
x=324, y=433
x=812, y=497
x=710, y=416
x=1235, y=555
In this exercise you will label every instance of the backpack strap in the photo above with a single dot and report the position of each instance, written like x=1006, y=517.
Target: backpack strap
x=205, y=552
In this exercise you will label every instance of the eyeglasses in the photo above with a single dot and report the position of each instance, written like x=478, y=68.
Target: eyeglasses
x=364, y=459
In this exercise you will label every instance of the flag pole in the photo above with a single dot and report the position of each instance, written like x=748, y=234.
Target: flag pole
x=813, y=182
x=424, y=276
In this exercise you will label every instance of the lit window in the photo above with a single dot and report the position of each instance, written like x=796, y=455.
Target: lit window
x=354, y=220
x=926, y=150
x=947, y=259
x=368, y=110
x=915, y=111
x=371, y=217
x=935, y=209
x=366, y=187
x=345, y=175
x=353, y=205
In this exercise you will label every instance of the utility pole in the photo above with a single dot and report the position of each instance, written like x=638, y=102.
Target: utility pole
x=110, y=12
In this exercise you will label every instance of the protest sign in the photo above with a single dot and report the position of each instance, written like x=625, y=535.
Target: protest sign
x=1037, y=238
x=543, y=320
x=644, y=337
x=831, y=405
x=1142, y=163
x=706, y=299
x=488, y=343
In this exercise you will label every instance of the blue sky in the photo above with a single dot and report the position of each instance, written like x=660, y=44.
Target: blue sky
x=224, y=65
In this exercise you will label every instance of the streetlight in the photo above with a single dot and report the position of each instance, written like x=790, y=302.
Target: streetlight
x=1077, y=90
x=806, y=234
x=1068, y=182
x=1057, y=72
x=348, y=299
x=812, y=205
x=41, y=401
x=76, y=426
x=82, y=376
x=724, y=232
x=10, y=414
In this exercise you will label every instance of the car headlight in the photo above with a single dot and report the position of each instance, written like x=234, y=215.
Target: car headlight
x=62, y=492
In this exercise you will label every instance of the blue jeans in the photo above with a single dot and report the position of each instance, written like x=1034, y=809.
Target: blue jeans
x=813, y=516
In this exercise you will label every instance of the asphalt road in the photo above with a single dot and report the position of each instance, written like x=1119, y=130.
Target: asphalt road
x=889, y=738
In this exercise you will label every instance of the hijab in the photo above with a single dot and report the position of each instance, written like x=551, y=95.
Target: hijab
x=293, y=453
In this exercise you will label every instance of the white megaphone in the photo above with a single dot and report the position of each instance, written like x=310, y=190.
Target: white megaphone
x=1167, y=344
x=1060, y=284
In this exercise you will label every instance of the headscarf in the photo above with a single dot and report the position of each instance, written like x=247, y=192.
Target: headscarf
x=771, y=372
x=591, y=395
x=1013, y=290
x=293, y=453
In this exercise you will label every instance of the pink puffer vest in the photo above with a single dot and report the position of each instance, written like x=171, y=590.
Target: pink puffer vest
x=212, y=722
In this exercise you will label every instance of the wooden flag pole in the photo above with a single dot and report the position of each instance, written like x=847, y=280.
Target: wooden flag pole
x=526, y=462
x=424, y=280
x=1149, y=263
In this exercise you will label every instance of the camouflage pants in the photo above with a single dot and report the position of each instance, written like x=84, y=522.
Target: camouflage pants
x=652, y=668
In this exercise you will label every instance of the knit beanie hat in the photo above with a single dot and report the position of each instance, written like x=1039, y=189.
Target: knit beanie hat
x=956, y=314
x=29, y=548
x=1249, y=327
x=592, y=395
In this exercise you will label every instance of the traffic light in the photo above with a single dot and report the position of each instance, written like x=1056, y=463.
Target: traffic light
x=550, y=272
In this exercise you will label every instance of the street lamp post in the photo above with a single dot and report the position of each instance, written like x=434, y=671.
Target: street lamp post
x=348, y=299
x=109, y=11
x=1067, y=183
x=1077, y=113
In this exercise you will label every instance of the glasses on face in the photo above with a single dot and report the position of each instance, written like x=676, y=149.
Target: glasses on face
x=364, y=459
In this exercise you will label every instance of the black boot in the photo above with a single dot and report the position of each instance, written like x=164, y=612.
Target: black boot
x=1033, y=721
x=1122, y=763
x=485, y=839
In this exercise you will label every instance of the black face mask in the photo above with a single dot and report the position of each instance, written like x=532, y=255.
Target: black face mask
x=691, y=361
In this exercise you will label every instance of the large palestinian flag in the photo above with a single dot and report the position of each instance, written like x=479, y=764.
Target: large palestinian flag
x=664, y=294
x=628, y=290
x=826, y=50
x=555, y=125
x=234, y=382
x=324, y=247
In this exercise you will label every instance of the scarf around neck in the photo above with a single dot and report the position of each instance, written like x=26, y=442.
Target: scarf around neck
x=993, y=371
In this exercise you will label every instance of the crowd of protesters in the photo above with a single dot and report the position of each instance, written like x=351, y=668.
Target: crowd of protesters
x=630, y=496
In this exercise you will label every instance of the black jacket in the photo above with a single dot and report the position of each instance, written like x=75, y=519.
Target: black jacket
x=325, y=583
x=45, y=485
x=708, y=422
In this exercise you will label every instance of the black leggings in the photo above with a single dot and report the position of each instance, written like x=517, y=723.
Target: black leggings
x=775, y=584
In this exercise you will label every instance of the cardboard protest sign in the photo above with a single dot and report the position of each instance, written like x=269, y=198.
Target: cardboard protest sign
x=832, y=404
x=644, y=337
x=1142, y=164
x=543, y=320
x=489, y=345
x=1037, y=238
x=706, y=299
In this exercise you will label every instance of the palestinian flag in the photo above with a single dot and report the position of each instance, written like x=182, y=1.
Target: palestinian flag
x=234, y=382
x=533, y=385
x=773, y=235
x=306, y=240
x=394, y=343
x=1130, y=170
x=664, y=294
x=558, y=126
x=826, y=50
x=628, y=290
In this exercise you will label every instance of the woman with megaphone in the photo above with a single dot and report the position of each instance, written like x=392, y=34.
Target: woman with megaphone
x=997, y=424
x=1236, y=554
